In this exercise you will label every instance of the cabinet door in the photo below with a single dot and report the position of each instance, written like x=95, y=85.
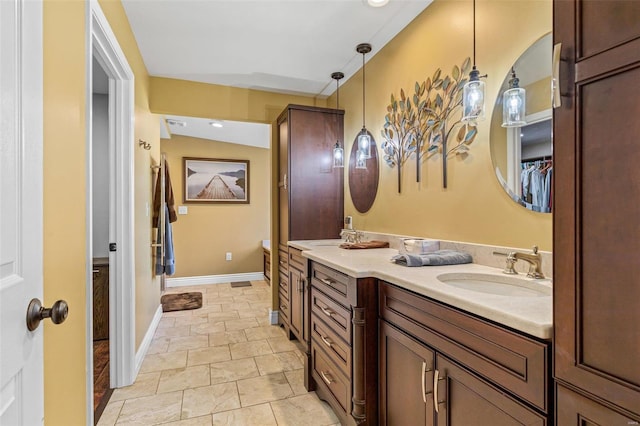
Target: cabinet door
x=283, y=179
x=296, y=294
x=406, y=379
x=597, y=200
x=463, y=399
x=576, y=410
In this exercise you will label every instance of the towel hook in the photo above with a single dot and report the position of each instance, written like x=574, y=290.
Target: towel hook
x=144, y=144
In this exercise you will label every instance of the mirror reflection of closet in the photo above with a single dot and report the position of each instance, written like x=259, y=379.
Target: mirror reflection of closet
x=523, y=156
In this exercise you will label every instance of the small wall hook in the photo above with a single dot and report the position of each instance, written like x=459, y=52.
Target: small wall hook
x=144, y=144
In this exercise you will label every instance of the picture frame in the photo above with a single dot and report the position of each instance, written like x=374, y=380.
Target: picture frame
x=215, y=181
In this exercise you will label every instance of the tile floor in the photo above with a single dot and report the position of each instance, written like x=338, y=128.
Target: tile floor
x=222, y=364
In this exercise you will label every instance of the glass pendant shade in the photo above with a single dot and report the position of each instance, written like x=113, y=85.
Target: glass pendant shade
x=473, y=101
x=361, y=161
x=338, y=156
x=513, y=107
x=364, y=144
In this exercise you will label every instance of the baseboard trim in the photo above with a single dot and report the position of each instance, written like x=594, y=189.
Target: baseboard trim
x=273, y=317
x=146, y=342
x=214, y=279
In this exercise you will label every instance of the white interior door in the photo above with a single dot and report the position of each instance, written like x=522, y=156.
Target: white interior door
x=21, y=351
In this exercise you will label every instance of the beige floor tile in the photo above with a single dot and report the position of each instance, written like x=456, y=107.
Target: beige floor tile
x=265, y=332
x=145, y=385
x=159, y=345
x=260, y=305
x=196, y=421
x=264, y=321
x=189, y=342
x=253, y=313
x=173, y=331
x=111, y=412
x=227, y=337
x=228, y=371
x=208, y=355
x=250, y=349
x=165, y=361
x=209, y=400
x=249, y=297
x=223, y=316
x=225, y=299
x=184, y=378
x=264, y=389
x=211, y=307
x=241, y=324
x=207, y=327
x=232, y=306
x=303, y=410
x=296, y=381
x=257, y=415
x=166, y=322
x=192, y=320
x=281, y=344
x=277, y=363
x=152, y=409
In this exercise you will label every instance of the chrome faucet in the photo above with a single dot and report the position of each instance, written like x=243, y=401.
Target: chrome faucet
x=534, y=259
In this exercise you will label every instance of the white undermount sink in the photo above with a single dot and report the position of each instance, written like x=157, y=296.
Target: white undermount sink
x=501, y=285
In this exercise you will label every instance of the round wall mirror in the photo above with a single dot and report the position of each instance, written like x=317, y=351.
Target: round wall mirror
x=363, y=182
x=523, y=156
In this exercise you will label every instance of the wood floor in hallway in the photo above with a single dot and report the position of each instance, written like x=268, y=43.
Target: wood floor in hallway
x=222, y=364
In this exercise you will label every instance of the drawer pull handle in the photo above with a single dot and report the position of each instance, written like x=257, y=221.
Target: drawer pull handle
x=326, y=377
x=96, y=271
x=327, y=282
x=436, y=379
x=424, y=373
x=282, y=262
x=326, y=311
x=326, y=341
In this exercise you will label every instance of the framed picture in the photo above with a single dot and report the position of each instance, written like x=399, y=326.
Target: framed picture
x=215, y=180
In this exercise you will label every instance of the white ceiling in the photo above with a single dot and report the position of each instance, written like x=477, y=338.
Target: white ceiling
x=287, y=46
x=252, y=134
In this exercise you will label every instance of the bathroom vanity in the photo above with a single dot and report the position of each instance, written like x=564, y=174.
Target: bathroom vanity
x=396, y=345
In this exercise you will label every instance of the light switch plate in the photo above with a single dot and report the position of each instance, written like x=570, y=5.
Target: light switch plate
x=182, y=210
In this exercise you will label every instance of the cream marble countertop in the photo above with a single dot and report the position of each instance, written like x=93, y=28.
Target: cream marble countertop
x=530, y=315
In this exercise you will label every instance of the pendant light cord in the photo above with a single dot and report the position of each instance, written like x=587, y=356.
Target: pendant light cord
x=363, y=103
x=474, y=33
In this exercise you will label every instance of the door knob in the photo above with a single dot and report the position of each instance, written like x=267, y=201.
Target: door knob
x=36, y=313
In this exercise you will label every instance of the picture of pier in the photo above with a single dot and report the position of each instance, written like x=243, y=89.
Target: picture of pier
x=216, y=181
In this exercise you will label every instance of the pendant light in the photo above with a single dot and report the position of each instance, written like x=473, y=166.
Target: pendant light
x=473, y=92
x=338, y=152
x=364, y=140
x=361, y=161
x=513, y=103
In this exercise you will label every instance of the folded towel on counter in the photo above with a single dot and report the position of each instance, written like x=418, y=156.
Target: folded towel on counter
x=436, y=258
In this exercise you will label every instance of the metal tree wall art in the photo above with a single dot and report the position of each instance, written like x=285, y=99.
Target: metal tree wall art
x=421, y=126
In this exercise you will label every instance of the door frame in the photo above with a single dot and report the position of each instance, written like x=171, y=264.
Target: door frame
x=103, y=45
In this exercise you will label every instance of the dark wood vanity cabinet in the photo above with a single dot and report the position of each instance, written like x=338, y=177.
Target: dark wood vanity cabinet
x=100, y=298
x=344, y=342
x=596, y=210
x=441, y=366
x=266, y=265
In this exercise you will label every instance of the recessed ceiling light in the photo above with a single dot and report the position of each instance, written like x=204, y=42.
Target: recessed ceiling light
x=216, y=123
x=377, y=3
x=173, y=122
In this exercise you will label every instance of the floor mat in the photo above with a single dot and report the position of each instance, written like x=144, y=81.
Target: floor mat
x=241, y=284
x=181, y=301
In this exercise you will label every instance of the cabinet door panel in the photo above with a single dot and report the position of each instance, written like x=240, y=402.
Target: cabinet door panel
x=406, y=379
x=465, y=400
x=596, y=200
x=576, y=410
x=295, y=297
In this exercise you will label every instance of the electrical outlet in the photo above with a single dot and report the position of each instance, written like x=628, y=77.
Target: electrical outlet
x=228, y=256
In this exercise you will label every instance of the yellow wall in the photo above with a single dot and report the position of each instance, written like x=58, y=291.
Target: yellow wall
x=64, y=210
x=65, y=201
x=474, y=207
x=203, y=236
x=181, y=97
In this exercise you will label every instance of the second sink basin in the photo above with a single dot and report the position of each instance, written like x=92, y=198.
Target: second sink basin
x=502, y=285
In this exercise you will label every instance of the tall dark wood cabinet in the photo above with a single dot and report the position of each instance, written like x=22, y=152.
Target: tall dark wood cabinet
x=597, y=213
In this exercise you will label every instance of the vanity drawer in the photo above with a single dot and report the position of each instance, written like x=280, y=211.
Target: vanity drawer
x=297, y=261
x=336, y=316
x=326, y=373
x=283, y=260
x=336, y=284
x=334, y=346
x=512, y=360
x=284, y=285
